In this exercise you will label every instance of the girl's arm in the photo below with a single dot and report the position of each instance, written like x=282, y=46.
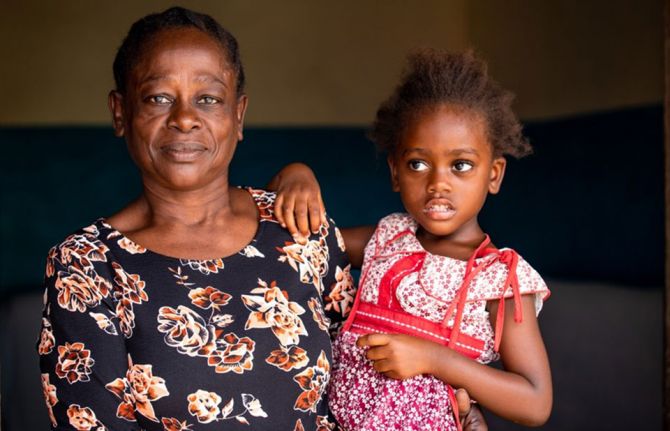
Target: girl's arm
x=299, y=208
x=521, y=393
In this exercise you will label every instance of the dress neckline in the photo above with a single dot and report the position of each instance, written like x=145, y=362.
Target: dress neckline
x=102, y=222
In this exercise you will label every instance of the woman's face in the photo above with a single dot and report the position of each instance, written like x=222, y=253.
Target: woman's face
x=181, y=115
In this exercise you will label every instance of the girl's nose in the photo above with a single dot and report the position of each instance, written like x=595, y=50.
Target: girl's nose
x=439, y=182
x=184, y=117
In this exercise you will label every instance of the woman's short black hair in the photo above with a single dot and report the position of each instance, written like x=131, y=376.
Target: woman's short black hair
x=434, y=78
x=144, y=29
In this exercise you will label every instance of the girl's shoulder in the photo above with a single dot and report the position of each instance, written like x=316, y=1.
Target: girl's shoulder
x=393, y=227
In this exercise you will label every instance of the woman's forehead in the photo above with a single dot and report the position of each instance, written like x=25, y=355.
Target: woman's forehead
x=174, y=51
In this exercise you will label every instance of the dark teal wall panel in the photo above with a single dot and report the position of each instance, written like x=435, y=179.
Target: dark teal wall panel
x=587, y=205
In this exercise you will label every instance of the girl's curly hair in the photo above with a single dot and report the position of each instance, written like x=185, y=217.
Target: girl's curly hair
x=433, y=78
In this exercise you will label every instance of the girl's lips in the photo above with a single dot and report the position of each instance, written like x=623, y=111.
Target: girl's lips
x=183, y=152
x=439, y=209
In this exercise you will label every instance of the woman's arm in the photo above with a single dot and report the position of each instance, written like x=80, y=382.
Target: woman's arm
x=521, y=393
x=83, y=357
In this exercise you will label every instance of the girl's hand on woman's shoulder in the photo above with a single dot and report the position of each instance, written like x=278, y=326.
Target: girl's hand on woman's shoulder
x=299, y=205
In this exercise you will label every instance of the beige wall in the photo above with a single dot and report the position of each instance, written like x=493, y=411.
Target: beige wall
x=330, y=63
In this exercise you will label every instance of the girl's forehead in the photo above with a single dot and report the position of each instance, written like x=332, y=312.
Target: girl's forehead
x=445, y=125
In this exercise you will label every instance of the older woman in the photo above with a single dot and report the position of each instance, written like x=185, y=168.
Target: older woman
x=191, y=308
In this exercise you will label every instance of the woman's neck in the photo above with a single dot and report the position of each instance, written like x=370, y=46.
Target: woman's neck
x=202, y=206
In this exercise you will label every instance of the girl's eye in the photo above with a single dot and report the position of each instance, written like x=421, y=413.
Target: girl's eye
x=208, y=100
x=160, y=100
x=463, y=166
x=417, y=165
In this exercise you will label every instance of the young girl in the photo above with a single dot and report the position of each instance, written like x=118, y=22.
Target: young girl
x=437, y=300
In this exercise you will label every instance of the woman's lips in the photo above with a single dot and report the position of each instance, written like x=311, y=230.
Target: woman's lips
x=439, y=209
x=183, y=152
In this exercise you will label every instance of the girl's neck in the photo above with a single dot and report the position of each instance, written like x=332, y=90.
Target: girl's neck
x=459, y=245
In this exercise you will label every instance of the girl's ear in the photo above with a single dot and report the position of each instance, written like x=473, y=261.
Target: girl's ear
x=395, y=184
x=115, y=103
x=497, y=174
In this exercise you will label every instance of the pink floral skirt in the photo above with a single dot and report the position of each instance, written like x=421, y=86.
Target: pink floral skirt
x=364, y=400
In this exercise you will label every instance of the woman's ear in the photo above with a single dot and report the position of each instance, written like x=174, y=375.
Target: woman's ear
x=497, y=174
x=242, y=103
x=115, y=103
x=395, y=184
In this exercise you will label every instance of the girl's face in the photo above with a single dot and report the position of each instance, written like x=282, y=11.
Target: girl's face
x=444, y=168
x=181, y=114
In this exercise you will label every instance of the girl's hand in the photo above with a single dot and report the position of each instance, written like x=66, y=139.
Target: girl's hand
x=470, y=415
x=398, y=356
x=299, y=206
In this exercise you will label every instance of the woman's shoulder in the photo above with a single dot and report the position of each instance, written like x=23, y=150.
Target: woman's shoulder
x=87, y=246
x=265, y=202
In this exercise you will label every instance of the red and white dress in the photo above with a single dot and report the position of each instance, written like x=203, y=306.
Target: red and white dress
x=405, y=289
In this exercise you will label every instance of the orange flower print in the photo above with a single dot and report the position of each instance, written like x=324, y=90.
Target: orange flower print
x=340, y=240
x=172, y=424
x=298, y=426
x=310, y=260
x=51, y=258
x=274, y=310
x=137, y=390
x=130, y=246
x=204, y=406
x=318, y=315
x=132, y=287
x=74, y=363
x=232, y=354
x=313, y=382
x=126, y=315
x=206, y=267
x=47, y=339
x=342, y=292
x=209, y=297
x=83, y=248
x=288, y=358
x=78, y=289
x=251, y=251
x=104, y=323
x=265, y=202
x=186, y=330
x=322, y=424
x=49, y=392
x=83, y=419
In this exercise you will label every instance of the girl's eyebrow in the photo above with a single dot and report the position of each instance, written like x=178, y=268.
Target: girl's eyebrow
x=472, y=151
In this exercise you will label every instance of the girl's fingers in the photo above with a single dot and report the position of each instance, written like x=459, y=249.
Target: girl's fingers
x=373, y=340
x=381, y=366
x=289, y=220
x=315, y=216
x=279, y=213
x=301, y=214
x=463, y=401
x=377, y=353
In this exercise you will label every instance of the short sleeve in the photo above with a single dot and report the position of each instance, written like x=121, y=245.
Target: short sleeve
x=531, y=283
x=81, y=346
x=339, y=286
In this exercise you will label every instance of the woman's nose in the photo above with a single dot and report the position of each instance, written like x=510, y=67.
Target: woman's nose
x=184, y=117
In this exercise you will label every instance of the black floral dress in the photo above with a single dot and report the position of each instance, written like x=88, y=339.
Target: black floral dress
x=134, y=340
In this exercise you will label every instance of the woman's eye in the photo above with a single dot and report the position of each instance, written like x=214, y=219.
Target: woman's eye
x=417, y=165
x=208, y=100
x=160, y=100
x=463, y=166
